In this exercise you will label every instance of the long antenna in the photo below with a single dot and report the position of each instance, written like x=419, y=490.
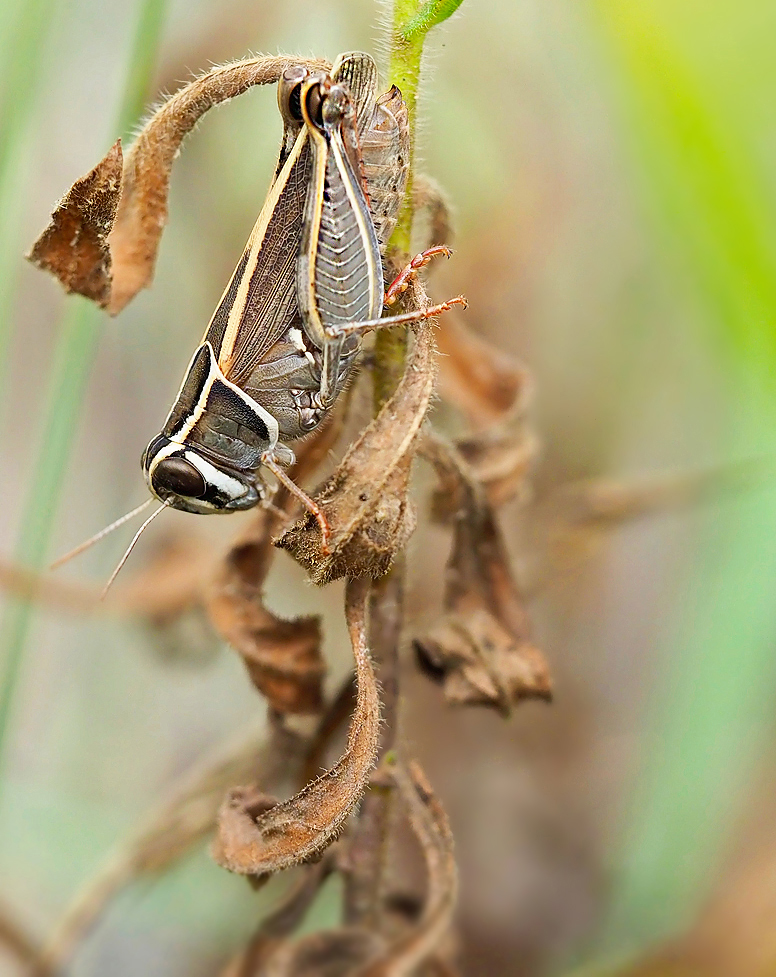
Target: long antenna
x=129, y=549
x=100, y=535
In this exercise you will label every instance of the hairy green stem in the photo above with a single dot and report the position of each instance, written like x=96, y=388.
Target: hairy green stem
x=412, y=20
x=404, y=71
x=76, y=348
x=430, y=14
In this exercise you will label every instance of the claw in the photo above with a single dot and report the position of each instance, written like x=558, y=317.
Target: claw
x=403, y=280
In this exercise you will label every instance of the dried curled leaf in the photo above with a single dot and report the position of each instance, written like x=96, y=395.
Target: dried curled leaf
x=74, y=245
x=483, y=381
x=361, y=951
x=494, y=392
x=168, y=833
x=363, y=861
x=365, y=500
x=430, y=204
x=500, y=458
x=332, y=953
x=480, y=649
x=283, y=658
x=432, y=829
x=482, y=663
x=301, y=827
x=133, y=205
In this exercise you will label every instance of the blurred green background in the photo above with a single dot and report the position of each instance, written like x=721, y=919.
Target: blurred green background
x=611, y=167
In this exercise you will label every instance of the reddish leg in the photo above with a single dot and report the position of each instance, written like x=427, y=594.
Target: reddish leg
x=405, y=318
x=402, y=282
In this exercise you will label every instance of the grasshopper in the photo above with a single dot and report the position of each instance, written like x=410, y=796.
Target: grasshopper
x=285, y=335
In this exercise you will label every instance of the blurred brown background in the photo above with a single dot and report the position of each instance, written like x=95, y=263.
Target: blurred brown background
x=610, y=166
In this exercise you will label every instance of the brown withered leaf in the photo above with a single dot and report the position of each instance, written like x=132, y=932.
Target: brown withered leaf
x=134, y=210
x=332, y=953
x=494, y=392
x=500, y=458
x=338, y=712
x=168, y=833
x=480, y=649
x=15, y=940
x=430, y=204
x=365, y=500
x=363, y=859
x=283, y=658
x=298, y=829
x=429, y=822
x=482, y=663
x=360, y=951
x=142, y=212
x=74, y=245
x=483, y=381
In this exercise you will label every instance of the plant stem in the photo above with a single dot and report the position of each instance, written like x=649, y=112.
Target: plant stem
x=430, y=14
x=76, y=348
x=368, y=850
x=404, y=71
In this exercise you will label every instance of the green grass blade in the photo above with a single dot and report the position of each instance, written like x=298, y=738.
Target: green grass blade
x=692, y=78
x=23, y=34
x=76, y=348
x=141, y=65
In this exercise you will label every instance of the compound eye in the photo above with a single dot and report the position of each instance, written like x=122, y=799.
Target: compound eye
x=290, y=92
x=314, y=105
x=179, y=476
x=336, y=105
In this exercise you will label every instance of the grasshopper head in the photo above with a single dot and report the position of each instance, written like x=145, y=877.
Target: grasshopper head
x=184, y=479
